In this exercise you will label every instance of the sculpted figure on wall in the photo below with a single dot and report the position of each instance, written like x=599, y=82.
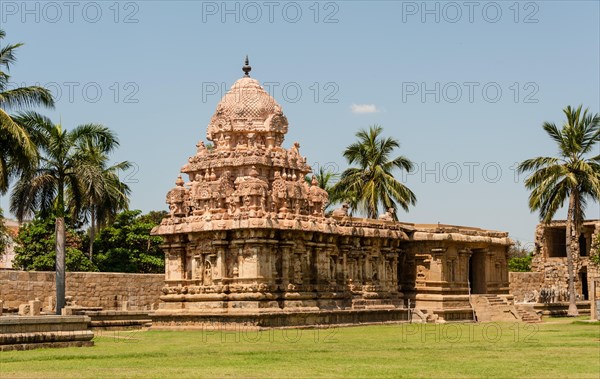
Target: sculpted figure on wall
x=342, y=211
x=388, y=215
x=279, y=194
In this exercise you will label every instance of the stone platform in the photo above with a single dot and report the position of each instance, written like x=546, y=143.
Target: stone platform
x=561, y=308
x=317, y=318
x=111, y=320
x=25, y=333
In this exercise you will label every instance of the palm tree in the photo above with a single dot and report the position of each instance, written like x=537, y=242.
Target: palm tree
x=4, y=240
x=324, y=178
x=63, y=169
x=17, y=151
x=104, y=198
x=571, y=175
x=372, y=184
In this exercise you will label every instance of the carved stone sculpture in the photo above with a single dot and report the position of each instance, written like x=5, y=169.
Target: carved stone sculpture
x=342, y=211
x=176, y=198
x=388, y=215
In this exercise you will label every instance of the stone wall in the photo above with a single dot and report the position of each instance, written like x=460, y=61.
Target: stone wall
x=88, y=289
x=525, y=285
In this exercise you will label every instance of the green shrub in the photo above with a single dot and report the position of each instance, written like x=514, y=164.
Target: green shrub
x=36, y=249
x=520, y=264
x=127, y=246
x=595, y=253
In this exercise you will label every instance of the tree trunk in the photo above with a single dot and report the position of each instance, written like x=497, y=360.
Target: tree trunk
x=92, y=233
x=60, y=264
x=572, y=247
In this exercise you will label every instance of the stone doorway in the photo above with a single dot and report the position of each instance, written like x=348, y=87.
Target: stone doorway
x=583, y=246
x=583, y=278
x=477, y=273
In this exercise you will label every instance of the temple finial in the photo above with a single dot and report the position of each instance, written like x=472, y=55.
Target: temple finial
x=247, y=67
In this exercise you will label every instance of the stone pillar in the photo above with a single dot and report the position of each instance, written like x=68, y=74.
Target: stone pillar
x=1, y=307
x=593, y=299
x=395, y=272
x=463, y=266
x=34, y=307
x=344, y=263
x=337, y=266
x=490, y=276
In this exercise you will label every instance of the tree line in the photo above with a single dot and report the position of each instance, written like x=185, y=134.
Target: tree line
x=62, y=179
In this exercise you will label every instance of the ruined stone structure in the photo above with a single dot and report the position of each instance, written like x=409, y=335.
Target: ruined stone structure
x=550, y=260
x=247, y=239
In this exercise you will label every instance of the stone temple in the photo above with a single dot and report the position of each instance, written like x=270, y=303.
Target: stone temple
x=247, y=240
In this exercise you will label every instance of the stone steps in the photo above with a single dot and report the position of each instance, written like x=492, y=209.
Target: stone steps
x=494, y=299
x=493, y=308
x=528, y=314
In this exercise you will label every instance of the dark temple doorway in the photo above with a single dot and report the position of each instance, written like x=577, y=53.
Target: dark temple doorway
x=477, y=282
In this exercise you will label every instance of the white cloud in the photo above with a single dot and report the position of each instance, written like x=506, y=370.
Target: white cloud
x=364, y=108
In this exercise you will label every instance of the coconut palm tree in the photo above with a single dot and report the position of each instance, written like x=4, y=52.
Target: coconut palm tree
x=573, y=174
x=372, y=184
x=324, y=178
x=104, y=198
x=62, y=169
x=17, y=151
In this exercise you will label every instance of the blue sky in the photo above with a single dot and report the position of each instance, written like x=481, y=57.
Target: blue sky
x=464, y=86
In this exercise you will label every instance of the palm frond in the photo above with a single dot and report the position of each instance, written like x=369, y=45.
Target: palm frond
x=26, y=97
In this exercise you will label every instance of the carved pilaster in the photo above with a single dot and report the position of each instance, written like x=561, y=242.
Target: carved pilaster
x=436, y=267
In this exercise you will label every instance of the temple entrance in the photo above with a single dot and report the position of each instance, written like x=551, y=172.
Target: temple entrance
x=585, y=295
x=477, y=282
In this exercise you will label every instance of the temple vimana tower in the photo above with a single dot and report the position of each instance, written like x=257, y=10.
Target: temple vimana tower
x=247, y=240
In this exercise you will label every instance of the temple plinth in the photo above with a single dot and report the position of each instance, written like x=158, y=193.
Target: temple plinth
x=247, y=240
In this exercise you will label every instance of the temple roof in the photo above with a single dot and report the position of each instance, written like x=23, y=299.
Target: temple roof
x=247, y=108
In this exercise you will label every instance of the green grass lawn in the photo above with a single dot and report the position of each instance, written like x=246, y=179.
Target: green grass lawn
x=554, y=349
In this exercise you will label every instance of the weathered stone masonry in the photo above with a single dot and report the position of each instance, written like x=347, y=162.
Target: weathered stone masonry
x=550, y=260
x=88, y=289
